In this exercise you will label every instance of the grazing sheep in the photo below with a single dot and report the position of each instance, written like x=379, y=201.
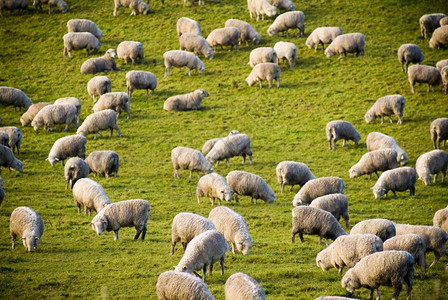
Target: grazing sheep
x=14, y=137
x=104, y=63
x=234, y=228
x=191, y=101
x=104, y=162
x=74, y=101
x=315, y=221
x=389, y=268
x=240, y=286
x=179, y=59
x=286, y=51
x=61, y=4
x=441, y=219
x=377, y=140
x=382, y=228
x=204, y=250
x=336, y=204
x=189, y=159
x=248, y=184
x=286, y=21
x=399, y=179
x=132, y=50
x=68, y=146
x=137, y=6
x=114, y=100
x=429, y=23
x=27, y=224
x=50, y=115
x=90, y=194
x=227, y=36
x=75, y=168
x=318, y=187
x=32, y=111
x=197, y=44
x=337, y=130
x=261, y=55
x=208, y=145
x=84, y=25
x=431, y=163
x=283, y=5
x=187, y=25
x=180, y=285
x=409, y=53
x=80, y=40
x=374, y=161
x=444, y=74
x=424, y=74
x=347, y=250
x=99, y=85
x=292, y=173
x=322, y=36
x=264, y=71
x=441, y=63
x=102, y=120
x=8, y=160
x=261, y=8
x=213, y=186
x=186, y=226
x=439, y=131
x=237, y=144
x=386, y=106
x=21, y=5
x=347, y=43
x=247, y=32
x=14, y=97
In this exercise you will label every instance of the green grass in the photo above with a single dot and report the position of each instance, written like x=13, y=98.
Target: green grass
x=283, y=124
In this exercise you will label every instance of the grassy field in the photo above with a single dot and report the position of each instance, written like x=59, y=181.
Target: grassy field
x=283, y=124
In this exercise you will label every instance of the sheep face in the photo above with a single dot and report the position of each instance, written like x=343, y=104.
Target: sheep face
x=99, y=224
x=272, y=31
x=111, y=53
x=63, y=6
x=250, y=81
x=17, y=166
x=244, y=246
x=52, y=160
x=210, y=54
x=369, y=118
x=36, y=124
x=426, y=178
x=225, y=194
x=256, y=39
x=30, y=242
x=378, y=191
x=350, y=284
x=329, y=52
x=321, y=264
x=353, y=172
x=271, y=11
x=297, y=202
x=201, y=68
x=22, y=121
x=143, y=8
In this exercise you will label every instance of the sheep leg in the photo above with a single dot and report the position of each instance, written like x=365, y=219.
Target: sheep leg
x=346, y=218
x=118, y=131
x=228, y=162
x=270, y=82
x=78, y=205
x=137, y=234
x=176, y=173
x=236, y=198
x=210, y=269
x=184, y=246
x=412, y=87
x=144, y=232
x=191, y=174
x=188, y=72
x=397, y=289
x=250, y=159
x=290, y=189
x=344, y=142
x=259, y=82
x=278, y=82
x=13, y=240
x=443, y=176
x=436, y=258
x=173, y=244
x=115, y=235
x=204, y=271
x=167, y=72
x=395, y=194
x=435, y=177
x=301, y=237
x=244, y=158
x=221, y=261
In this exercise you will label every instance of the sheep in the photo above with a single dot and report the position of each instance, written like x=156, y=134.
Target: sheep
x=318, y=187
x=75, y=168
x=4, y=138
x=322, y=36
x=431, y=163
x=336, y=204
x=213, y=186
x=444, y=74
x=233, y=145
x=180, y=58
x=114, y=100
x=441, y=63
x=389, y=268
x=84, y=25
x=435, y=238
x=137, y=6
x=74, y=101
x=283, y=5
x=50, y=115
x=8, y=160
x=132, y=50
x=439, y=131
x=292, y=173
x=27, y=224
x=234, y=228
x=197, y=44
x=208, y=145
x=190, y=159
x=90, y=194
x=102, y=120
x=347, y=43
x=21, y=5
x=187, y=25
x=190, y=101
x=377, y=140
x=14, y=137
x=186, y=226
x=399, y=179
x=104, y=63
x=374, y=161
x=32, y=111
x=99, y=85
x=286, y=51
x=247, y=32
x=264, y=71
x=386, y=106
x=336, y=130
x=204, y=250
x=15, y=97
x=261, y=8
x=315, y=221
x=286, y=21
x=261, y=55
x=248, y=184
x=227, y=36
x=424, y=74
x=429, y=23
x=382, y=228
x=61, y=4
x=240, y=286
x=68, y=146
x=443, y=21
x=409, y=53
x=80, y=40
x=347, y=250
x=104, y=162
x=440, y=219
x=412, y=243
x=180, y=285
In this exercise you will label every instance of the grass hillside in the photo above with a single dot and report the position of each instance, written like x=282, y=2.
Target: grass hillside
x=283, y=124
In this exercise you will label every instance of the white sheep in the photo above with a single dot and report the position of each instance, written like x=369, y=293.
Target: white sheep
x=318, y=187
x=213, y=186
x=431, y=163
x=117, y=101
x=190, y=101
x=80, y=40
x=197, y=44
x=27, y=224
x=137, y=6
x=187, y=25
x=71, y=100
x=21, y=5
x=208, y=145
x=180, y=285
x=227, y=36
x=443, y=21
x=336, y=204
x=386, y=106
x=441, y=63
x=377, y=140
x=105, y=162
x=104, y=63
x=440, y=218
x=179, y=59
x=50, y=115
x=248, y=184
x=409, y=53
x=68, y=146
x=337, y=130
x=374, y=161
x=90, y=194
x=240, y=286
x=128, y=213
x=190, y=159
x=395, y=180
x=14, y=137
x=292, y=173
x=8, y=160
x=286, y=21
x=99, y=85
x=439, y=131
x=32, y=111
x=141, y=80
x=286, y=51
x=264, y=71
x=247, y=32
x=15, y=97
x=424, y=74
x=347, y=43
x=61, y=4
x=322, y=36
x=102, y=120
x=444, y=74
x=261, y=55
x=261, y=8
x=186, y=226
x=234, y=228
x=282, y=4
x=237, y=144
x=382, y=228
x=75, y=169
x=84, y=25
x=429, y=23
x=130, y=50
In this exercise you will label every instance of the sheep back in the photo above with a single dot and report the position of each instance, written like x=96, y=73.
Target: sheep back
x=84, y=25
x=399, y=179
x=336, y=204
x=347, y=43
x=89, y=194
x=377, y=140
x=32, y=111
x=286, y=21
x=322, y=36
x=318, y=187
x=240, y=286
x=75, y=168
x=180, y=285
x=117, y=101
x=382, y=228
x=248, y=184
